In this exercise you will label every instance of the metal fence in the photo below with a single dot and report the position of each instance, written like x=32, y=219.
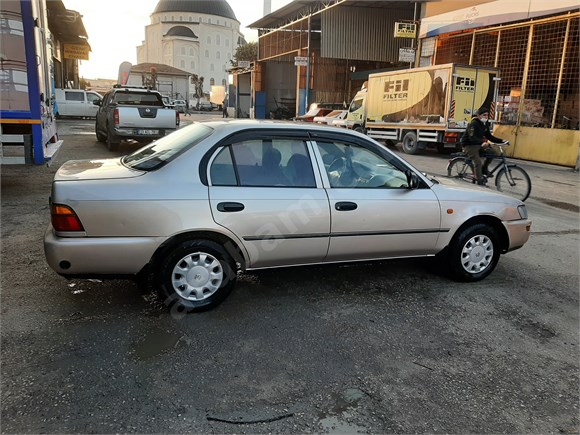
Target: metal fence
x=539, y=63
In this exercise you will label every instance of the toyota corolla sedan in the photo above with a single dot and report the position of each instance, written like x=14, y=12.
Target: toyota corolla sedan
x=193, y=208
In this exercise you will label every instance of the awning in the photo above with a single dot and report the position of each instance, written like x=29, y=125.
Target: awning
x=489, y=14
x=66, y=25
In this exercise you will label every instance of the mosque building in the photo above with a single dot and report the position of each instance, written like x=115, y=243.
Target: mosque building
x=197, y=36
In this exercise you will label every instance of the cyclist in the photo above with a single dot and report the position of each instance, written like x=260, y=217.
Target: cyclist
x=472, y=140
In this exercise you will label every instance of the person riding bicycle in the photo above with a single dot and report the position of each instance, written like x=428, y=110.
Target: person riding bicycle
x=472, y=140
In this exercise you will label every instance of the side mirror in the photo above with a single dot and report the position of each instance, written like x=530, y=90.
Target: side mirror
x=97, y=102
x=412, y=179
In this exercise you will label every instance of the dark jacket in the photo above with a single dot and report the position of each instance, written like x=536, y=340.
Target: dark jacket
x=476, y=133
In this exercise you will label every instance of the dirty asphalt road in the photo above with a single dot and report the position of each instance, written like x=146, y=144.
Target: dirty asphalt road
x=389, y=347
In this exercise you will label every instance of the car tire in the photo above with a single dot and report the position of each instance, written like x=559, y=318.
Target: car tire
x=474, y=253
x=100, y=136
x=359, y=129
x=195, y=275
x=112, y=141
x=410, y=144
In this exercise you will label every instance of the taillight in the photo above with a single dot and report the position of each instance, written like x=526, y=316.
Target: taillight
x=64, y=218
x=176, y=118
x=116, y=116
x=451, y=137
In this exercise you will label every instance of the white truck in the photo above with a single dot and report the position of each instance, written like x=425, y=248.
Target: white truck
x=423, y=107
x=129, y=112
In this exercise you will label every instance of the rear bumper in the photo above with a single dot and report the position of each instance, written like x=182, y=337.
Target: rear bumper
x=143, y=133
x=518, y=233
x=97, y=256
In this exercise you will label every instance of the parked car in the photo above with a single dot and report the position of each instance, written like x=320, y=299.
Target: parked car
x=191, y=208
x=128, y=112
x=313, y=113
x=76, y=103
x=332, y=116
x=180, y=105
x=205, y=105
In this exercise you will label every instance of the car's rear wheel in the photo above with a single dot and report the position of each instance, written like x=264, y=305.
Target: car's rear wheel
x=474, y=253
x=195, y=275
x=112, y=141
x=100, y=136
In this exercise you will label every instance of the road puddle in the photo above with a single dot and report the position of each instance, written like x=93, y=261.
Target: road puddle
x=157, y=343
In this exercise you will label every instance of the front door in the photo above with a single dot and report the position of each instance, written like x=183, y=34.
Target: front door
x=264, y=189
x=374, y=213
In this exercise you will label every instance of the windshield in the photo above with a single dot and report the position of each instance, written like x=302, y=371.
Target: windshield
x=167, y=148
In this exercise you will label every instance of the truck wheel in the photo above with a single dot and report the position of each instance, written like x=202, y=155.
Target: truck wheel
x=100, y=136
x=112, y=141
x=410, y=145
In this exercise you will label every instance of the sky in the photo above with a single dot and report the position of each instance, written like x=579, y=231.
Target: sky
x=117, y=27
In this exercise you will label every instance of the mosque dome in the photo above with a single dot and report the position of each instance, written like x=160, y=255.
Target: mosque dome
x=181, y=31
x=214, y=7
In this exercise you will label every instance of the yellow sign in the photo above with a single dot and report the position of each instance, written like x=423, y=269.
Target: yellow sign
x=405, y=30
x=72, y=51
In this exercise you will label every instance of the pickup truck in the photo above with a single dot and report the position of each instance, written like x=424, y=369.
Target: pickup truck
x=133, y=113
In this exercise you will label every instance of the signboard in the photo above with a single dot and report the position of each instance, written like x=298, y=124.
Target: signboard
x=405, y=30
x=300, y=61
x=406, y=55
x=73, y=51
x=243, y=63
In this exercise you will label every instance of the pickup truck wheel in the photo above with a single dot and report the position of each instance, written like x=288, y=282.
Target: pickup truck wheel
x=410, y=145
x=474, y=253
x=100, y=136
x=195, y=275
x=112, y=141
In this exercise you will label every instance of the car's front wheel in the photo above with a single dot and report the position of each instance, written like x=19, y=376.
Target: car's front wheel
x=474, y=252
x=195, y=275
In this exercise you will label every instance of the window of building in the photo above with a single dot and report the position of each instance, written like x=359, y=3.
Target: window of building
x=191, y=51
x=217, y=39
x=223, y=82
x=227, y=42
x=206, y=53
x=192, y=64
x=182, y=63
x=212, y=81
x=209, y=39
x=183, y=51
x=217, y=55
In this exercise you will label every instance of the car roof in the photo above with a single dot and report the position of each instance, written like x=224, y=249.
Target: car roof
x=228, y=126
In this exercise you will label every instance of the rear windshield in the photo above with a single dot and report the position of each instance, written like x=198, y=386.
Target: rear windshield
x=138, y=98
x=167, y=148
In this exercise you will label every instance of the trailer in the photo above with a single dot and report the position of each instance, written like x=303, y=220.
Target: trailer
x=423, y=107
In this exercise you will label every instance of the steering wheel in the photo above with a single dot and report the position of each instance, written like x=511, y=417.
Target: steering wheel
x=338, y=165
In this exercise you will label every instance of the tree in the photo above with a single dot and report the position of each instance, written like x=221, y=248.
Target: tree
x=84, y=84
x=247, y=52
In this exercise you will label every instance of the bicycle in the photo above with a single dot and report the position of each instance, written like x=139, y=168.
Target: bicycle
x=511, y=179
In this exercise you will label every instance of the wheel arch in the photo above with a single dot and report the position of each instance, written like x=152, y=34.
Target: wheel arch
x=493, y=222
x=230, y=245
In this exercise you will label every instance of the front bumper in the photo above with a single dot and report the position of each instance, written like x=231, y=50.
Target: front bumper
x=97, y=256
x=518, y=233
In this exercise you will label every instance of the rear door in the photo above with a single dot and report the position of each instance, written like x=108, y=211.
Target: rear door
x=263, y=188
x=473, y=88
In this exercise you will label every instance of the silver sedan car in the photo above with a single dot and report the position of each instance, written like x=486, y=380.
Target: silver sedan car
x=193, y=208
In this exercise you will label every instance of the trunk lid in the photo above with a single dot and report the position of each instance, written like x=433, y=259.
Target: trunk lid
x=95, y=170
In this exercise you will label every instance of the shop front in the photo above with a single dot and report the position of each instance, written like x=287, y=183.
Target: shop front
x=536, y=48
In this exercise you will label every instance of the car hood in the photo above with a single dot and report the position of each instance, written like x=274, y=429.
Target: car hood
x=450, y=189
x=95, y=170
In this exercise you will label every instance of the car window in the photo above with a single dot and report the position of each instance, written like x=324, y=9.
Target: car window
x=353, y=166
x=74, y=96
x=355, y=105
x=167, y=148
x=267, y=163
x=138, y=98
x=93, y=97
x=222, y=172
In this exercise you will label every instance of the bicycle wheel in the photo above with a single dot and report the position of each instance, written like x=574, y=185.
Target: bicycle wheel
x=514, y=181
x=462, y=169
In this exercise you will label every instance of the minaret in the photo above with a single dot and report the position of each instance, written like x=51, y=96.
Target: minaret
x=267, y=7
